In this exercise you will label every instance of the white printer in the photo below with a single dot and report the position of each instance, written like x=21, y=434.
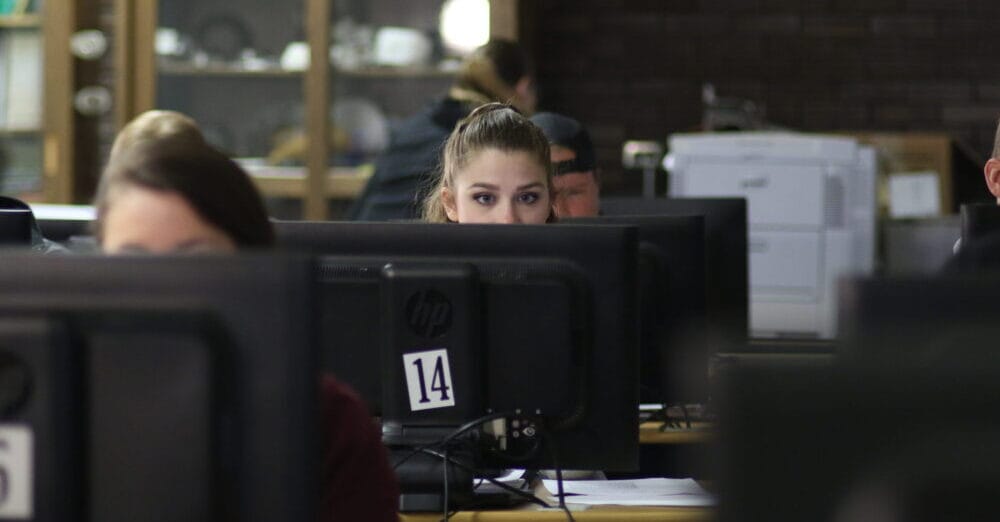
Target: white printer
x=811, y=217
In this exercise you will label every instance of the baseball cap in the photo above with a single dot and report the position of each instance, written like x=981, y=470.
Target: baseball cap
x=567, y=132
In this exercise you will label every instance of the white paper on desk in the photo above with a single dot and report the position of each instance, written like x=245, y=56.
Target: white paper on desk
x=642, y=492
x=671, y=501
x=513, y=478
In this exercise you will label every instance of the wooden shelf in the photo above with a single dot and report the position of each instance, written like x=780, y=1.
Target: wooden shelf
x=20, y=21
x=20, y=133
x=374, y=72
x=394, y=72
x=217, y=70
x=290, y=182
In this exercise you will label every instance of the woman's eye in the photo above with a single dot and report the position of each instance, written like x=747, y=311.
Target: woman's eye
x=528, y=197
x=483, y=199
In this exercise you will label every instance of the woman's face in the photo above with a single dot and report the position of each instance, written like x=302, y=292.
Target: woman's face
x=499, y=187
x=141, y=220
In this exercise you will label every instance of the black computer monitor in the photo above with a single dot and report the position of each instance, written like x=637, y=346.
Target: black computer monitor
x=901, y=425
x=162, y=388
x=672, y=293
x=814, y=443
x=586, y=282
x=63, y=230
x=920, y=321
x=726, y=257
x=15, y=226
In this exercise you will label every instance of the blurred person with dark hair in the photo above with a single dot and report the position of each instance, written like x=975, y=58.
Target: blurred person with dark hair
x=170, y=195
x=498, y=71
x=153, y=125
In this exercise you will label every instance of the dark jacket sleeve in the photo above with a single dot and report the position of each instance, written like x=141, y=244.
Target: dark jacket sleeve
x=405, y=170
x=358, y=483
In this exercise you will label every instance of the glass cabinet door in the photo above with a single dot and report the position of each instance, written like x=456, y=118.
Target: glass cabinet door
x=238, y=69
x=21, y=99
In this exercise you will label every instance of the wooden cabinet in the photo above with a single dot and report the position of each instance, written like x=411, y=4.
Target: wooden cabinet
x=289, y=89
x=36, y=92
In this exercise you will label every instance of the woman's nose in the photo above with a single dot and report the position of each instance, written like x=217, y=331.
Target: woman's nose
x=508, y=215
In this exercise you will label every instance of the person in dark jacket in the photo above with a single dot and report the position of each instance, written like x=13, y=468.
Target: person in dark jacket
x=497, y=71
x=982, y=254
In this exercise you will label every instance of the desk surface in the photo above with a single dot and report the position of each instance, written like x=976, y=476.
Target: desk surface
x=595, y=514
x=700, y=433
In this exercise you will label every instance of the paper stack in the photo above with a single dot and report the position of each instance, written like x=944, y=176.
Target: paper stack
x=642, y=492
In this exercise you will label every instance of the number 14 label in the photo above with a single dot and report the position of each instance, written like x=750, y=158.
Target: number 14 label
x=15, y=472
x=428, y=380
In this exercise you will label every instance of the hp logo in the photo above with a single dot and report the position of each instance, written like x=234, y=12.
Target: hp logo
x=429, y=313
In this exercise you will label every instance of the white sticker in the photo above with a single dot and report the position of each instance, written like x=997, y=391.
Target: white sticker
x=16, y=456
x=428, y=380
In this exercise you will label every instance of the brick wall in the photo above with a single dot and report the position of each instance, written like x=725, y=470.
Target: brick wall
x=633, y=69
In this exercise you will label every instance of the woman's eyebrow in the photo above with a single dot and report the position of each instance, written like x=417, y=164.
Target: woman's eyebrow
x=530, y=185
x=484, y=186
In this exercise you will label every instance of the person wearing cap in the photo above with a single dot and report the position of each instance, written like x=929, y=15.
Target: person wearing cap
x=576, y=183
x=499, y=71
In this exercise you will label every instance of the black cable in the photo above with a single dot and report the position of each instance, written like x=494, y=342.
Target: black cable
x=411, y=454
x=454, y=434
x=444, y=442
x=534, y=499
x=475, y=424
x=561, y=495
x=426, y=448
x=559, y=486
x=416, y=451
x=445, y=467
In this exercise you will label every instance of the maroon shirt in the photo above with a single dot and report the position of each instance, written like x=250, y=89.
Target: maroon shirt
x=359, y=484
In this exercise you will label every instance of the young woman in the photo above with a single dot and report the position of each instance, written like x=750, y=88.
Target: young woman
x=172, y=196
x=495, y=169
